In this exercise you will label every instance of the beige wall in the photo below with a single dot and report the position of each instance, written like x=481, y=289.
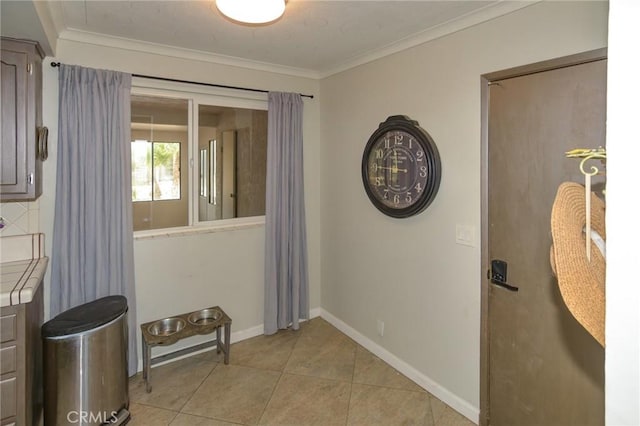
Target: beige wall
x=410, y=273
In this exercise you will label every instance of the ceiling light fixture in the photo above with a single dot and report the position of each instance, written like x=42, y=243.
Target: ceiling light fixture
x=251, y=11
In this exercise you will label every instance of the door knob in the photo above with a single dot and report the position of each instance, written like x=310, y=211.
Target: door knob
x=498, y=274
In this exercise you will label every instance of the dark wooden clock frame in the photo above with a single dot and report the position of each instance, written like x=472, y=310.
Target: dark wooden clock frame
x=431, y=159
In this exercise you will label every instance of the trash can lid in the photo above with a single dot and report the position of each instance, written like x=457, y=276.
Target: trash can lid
x=85, y=317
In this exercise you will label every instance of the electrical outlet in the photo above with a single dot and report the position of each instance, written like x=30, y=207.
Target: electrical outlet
x=380, y=328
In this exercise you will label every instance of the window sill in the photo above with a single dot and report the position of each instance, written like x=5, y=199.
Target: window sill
x=207, y=228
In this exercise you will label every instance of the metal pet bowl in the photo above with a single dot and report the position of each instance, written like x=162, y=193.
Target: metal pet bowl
x=204, y=316
x=166, y=327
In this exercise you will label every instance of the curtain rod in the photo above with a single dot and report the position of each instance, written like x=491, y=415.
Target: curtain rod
x=174, y=80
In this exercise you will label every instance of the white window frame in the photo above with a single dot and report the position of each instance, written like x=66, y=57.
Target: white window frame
x=197, y=95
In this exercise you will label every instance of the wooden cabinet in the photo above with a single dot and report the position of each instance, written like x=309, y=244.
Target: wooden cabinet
x=21, y=398
x=23, y=143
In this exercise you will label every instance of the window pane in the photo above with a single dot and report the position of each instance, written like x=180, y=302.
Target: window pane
x=228, y=164
x=166, y=171
x=237, y=166
x=141, y=170
x=160, y=181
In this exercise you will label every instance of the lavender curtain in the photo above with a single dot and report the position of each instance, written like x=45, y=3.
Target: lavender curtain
x=286, y=274
x=92, y=254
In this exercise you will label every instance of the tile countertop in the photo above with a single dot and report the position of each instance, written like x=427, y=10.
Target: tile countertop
x=23, y=265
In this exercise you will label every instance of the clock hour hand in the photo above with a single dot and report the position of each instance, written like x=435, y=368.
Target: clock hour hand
x=394, y=169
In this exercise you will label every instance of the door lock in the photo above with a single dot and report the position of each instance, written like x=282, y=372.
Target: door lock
x=498, y=274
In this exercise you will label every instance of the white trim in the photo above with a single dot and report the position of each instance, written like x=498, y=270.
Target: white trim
x=236, y=336
x=487, y=13
x=49, y=27
x=452, y=400
x=141, y=86
x=203, y=94
x=461, y=406
x=56, y=13
x=221, y=225
x=87, y=37
x=195, y=98
x=315, y=312
x=192, y=140
x=475, y=17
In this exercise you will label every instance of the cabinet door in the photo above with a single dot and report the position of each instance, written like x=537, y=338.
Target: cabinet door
x=13, y=178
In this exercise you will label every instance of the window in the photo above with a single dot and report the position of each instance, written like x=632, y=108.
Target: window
x=194, y=161
x=233, y=147
x=155, y=168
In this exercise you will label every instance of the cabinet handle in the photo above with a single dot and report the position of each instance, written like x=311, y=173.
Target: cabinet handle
x=43, y=143
x=30, y=179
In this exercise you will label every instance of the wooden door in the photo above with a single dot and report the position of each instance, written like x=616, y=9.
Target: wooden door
x=541, y=366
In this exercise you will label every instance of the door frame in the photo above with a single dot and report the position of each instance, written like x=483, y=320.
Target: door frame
x=487, y=80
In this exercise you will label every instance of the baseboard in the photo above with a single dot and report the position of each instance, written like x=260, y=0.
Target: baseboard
x=431, y=386
x=315, y=312
x=236, y=336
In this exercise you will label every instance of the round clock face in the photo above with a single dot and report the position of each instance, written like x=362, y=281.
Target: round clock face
x=401, y=168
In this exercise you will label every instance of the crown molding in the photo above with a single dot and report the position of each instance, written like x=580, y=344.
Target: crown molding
x=476, y=17
x=87, y=37
x=487, y=13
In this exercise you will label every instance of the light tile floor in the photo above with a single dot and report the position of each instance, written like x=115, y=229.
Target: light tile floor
x=313, y=376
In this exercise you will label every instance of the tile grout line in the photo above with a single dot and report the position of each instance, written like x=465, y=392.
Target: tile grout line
x=264, y=410
x=198, y=388
x=353, y=375
x=132, y=416
x=208, y=418
x=433, y=416
x=174, y=418
x=296, y=345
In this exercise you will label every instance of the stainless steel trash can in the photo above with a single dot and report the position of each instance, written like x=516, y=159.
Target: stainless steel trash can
x=85, y=364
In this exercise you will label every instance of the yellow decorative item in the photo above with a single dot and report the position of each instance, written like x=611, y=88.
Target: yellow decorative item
x=586, y=152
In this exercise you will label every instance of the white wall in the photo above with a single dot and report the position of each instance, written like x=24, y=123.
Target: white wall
x=183, y=273
x=622, y=357
x=410, y=273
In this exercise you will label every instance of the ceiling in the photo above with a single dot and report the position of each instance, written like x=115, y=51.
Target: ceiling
x=313, y=38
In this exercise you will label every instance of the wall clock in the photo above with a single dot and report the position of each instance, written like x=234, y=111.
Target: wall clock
x=401, y=167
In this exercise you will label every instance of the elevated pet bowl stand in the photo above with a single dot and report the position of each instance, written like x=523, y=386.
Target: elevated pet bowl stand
x=168, y=331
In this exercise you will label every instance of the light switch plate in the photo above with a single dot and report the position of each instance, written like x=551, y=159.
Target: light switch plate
x=466, y=235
